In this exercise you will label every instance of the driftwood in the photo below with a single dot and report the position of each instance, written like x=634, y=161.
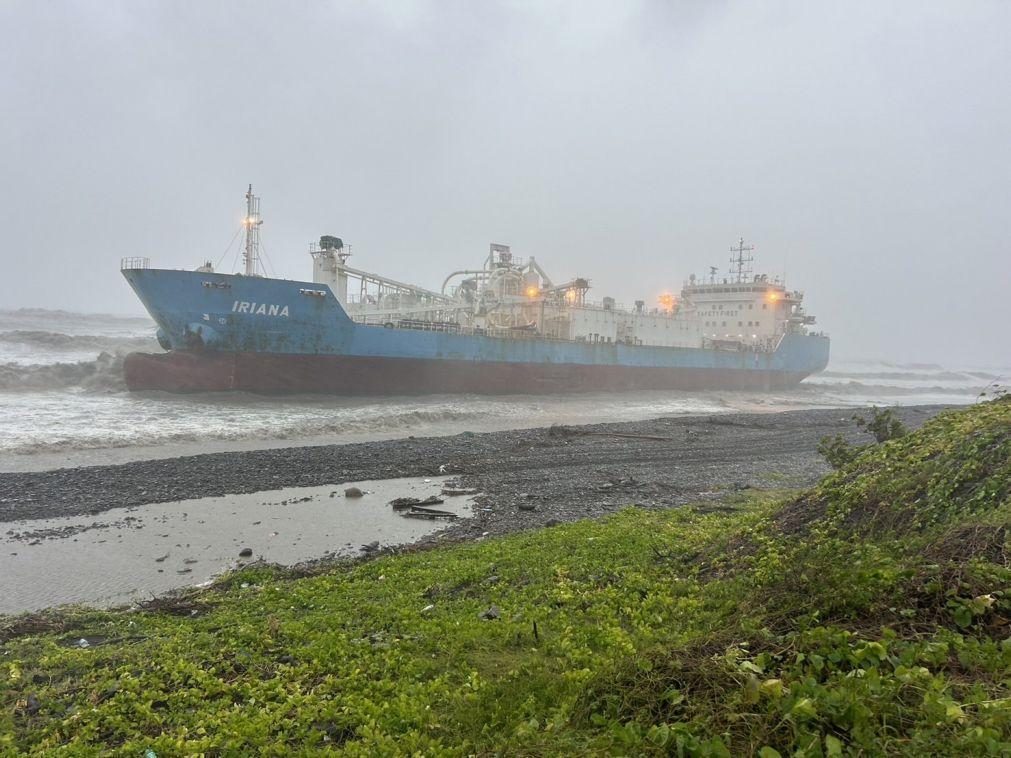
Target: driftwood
x=402, y=503
x=418, y=511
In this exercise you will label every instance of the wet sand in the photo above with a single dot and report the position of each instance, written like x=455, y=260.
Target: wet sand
x=526, y=479
x=670, y=458
x=135, y=553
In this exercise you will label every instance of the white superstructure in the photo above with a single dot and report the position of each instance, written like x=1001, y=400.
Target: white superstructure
x=510, y=297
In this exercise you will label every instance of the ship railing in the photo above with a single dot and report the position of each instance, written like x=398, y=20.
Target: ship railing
x=132, y=263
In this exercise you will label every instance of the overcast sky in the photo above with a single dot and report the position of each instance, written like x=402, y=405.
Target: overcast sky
x=864, y=148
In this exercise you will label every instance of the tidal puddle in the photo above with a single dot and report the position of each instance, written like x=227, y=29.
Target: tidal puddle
x=130, y=554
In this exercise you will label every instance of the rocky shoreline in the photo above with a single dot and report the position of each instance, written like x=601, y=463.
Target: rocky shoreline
x=528, y=478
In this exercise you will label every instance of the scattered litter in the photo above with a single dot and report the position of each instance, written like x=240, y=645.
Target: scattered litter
x=490, y=614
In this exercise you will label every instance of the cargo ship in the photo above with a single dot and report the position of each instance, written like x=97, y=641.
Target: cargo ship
x=502, y=327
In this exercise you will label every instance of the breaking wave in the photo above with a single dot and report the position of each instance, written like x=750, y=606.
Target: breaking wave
x=204, y=422
x=58, y=341
x=917, y=376
x=104, y=373
x=860, y=388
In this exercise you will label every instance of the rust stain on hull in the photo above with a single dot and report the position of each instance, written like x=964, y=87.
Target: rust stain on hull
x=273, y=373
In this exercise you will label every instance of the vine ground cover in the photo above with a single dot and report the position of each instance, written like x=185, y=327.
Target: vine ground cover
x=866, y=616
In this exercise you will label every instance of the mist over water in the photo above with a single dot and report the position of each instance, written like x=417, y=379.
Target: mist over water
x=63, y=400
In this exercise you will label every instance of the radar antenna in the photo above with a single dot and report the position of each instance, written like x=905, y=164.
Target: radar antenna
x=740, y=264
x=252, y=222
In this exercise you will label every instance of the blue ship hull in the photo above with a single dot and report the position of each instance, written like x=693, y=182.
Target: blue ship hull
x=231, y=332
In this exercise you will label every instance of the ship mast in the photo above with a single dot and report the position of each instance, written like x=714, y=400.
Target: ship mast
x=252, y=222
x=740, y=262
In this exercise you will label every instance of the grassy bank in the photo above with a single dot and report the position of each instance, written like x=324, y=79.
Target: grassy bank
x=867, y=615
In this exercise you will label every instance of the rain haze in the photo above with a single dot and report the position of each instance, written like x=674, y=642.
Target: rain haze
x=513, y=377
x=862, y=147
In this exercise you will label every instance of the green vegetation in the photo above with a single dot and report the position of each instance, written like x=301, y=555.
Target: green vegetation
x=867, y=616
x=884, y=425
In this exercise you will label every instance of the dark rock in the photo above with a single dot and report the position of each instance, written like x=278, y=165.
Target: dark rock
x=353, y=492
x=552, y=522
x=246, y=552
x=527, y=506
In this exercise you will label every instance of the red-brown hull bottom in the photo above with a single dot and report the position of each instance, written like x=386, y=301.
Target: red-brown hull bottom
x=271, y=373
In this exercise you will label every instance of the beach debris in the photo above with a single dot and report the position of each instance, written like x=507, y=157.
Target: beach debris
x=162, y=558
x=353, y=492
x=246, y=552
x=402, y=503
x=184, y=571
x=456, y=492
x=552, y=522
x=527, y=506
x=428, y=608
x=371, y=547
x=82, y=643
x=490, y=614
x=190, y=561
x=418, y=511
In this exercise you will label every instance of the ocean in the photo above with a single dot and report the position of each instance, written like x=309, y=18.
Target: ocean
x=63, y=401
